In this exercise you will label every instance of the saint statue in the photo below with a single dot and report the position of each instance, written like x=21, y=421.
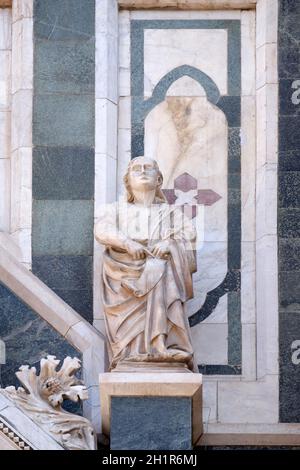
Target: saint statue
x=148, y=264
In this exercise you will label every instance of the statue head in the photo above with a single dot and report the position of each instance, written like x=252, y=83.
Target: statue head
x=143, y=174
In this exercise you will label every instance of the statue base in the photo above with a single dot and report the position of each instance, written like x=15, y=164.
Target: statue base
x=149, y=367
x=149, y=411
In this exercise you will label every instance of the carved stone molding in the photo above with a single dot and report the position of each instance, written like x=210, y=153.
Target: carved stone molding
x=188, y=4
x=11, y=435
x=42, y=396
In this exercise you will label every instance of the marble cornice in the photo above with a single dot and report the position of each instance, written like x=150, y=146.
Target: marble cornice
x=12, y=436
x=188, y=4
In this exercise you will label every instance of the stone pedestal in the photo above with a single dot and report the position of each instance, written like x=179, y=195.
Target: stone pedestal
x=151, y=411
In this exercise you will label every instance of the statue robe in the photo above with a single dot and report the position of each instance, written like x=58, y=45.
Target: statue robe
x=145, y=298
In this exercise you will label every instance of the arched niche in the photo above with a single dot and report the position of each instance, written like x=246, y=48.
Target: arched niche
x=186, y=133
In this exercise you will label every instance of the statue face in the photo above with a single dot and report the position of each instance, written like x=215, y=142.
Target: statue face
x=143, y=175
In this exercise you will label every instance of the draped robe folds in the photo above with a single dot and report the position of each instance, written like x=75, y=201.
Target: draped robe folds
x=145, y=298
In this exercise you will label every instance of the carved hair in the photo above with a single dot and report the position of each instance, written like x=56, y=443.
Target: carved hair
x=159, y=195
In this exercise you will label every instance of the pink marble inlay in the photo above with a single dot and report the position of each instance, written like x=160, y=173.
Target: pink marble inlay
x=207, y=197
x=185, y=182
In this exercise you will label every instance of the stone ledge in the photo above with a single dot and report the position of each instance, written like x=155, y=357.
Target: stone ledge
x=188, y=4
x=255, y=439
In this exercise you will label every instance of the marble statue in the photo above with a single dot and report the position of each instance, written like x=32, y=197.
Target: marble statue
x=41, y=398
x=148, y=262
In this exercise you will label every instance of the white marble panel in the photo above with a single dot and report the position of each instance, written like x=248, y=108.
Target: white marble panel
x=267, y=18
x=248, y=52
x=21, y=119
x=106, y=127
x=22, y=9
x=5, y=126
x=105, y=181
x=22, y=55
x=105, y=176
x=107, y=67
x=97, y=292
x=21, y=194
x=5, y=80
x=4, y=195
x=124, y=53
x=266, y=57
x=5, y=117
x=266, y=201
x=106, y=16
x=248, y=191
x=22, y=238
x=248, y=402
x=21, y=129
x=124, y=156
x=124, y=115
x=249, y=351
x=91, y=411
x=276, y=429
x=205, y=417
x=5, y=28
x=267, y=128
x=266, y=217
x=210, y=400
x=210, y=343
x=267, y=305
x=165, y=49
x=248, y=168
x=106, y=133
x=99, y=325
x=107, y=50
x=185, y=15
x=248, y=283
x=185, y=86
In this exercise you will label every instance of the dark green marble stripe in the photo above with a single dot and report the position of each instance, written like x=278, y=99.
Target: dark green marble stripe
x=27, y=337
x=289, y=210
x=63, y=154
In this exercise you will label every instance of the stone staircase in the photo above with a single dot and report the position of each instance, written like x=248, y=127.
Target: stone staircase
x=15, y=427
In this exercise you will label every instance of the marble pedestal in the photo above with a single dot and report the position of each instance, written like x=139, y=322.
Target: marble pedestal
x=151, y=411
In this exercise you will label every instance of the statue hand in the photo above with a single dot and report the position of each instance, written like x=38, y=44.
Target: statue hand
x=161, y=249
x=135, y=249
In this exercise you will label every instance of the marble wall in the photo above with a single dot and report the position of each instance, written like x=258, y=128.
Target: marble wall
x=21, y=128
x=289, y=210
x=198, y=91
x=63, y=154
x=165, y=77
x=27, y=338
x=5, y=116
